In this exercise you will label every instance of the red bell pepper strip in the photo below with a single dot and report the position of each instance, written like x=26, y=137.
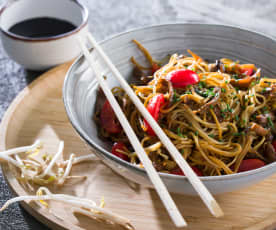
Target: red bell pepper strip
x=247, y=71
x=154, y=105
x=108, y=119
x=178, y=171
x=250, y=164
x=119, y=146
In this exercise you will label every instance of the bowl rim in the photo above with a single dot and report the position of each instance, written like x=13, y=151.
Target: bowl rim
x=84, y=22
x=126, y=164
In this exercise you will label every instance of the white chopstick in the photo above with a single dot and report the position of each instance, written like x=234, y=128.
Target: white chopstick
x=153, y=175
x=205, y=195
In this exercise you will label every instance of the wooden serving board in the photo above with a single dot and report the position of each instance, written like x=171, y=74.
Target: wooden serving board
x=38, y=112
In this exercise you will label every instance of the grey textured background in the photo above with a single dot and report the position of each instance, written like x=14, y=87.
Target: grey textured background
x=108, y=17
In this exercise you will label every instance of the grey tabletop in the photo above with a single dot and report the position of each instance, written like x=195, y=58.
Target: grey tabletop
x=108, y=17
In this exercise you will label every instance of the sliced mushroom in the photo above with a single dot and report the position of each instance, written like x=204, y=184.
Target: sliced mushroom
x=213, y=101
x=242, y=83
x=259, y=130
x=269, y=152
x=262, y=119
x=140, y=77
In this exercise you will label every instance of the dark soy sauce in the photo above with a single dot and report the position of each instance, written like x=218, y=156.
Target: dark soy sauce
x=42, y=27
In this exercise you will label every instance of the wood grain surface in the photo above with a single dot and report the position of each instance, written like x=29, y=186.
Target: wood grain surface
x=38, y=112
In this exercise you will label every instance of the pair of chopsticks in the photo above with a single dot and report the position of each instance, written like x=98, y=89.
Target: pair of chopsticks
x=160, y=188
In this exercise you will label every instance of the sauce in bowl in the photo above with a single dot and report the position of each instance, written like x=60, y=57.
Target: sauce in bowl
x=42, y=27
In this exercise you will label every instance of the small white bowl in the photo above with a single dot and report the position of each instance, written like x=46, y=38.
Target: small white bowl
x=42, y=53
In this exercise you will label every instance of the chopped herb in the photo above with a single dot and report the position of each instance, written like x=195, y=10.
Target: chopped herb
x=226, y=82
x=175, y=98
x=202, y=84
x=223, y=115
x=237, y=89
x=238, y=134
x=235, y=96
x=254, y=116
x=211, y=135
x=236, y=117
x=188, y=92
x=270, y=123
x=243, y=107
x=228, y=108
x=245, y=99
x=211, y=106
x=263, y=90
x=223, y=90
x=210, y=92
x=196, y=133
x=236, y=76
x=179, y=132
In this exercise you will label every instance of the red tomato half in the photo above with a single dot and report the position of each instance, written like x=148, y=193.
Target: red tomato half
x=178, y=171
x=182, y=78
x=250, y=164
x=119, y=146
x=108, y=119
x=154, y=105
x=247, y=71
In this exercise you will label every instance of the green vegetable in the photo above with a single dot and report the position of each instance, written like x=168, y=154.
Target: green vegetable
x=202, y=84
x=175, y=98
x=270, y=123
x=229, y=109
x=235, y=76
x=238, y=134
x=179, y=132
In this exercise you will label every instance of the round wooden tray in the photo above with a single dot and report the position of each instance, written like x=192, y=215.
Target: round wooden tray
x=38, y=112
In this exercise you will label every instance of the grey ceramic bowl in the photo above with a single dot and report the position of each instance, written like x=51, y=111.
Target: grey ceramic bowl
x=209, y=41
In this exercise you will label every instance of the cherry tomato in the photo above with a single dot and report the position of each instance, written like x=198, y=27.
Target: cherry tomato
x=250, y=164
x=182, y=78
x=274, y=145
x=153, y=107
x=108, y=119
x=119, y=146
x=178, y=171
x=247, y=71
x=155, y=67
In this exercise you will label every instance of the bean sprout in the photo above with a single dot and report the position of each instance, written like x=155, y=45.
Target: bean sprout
x=79, y=205
x=41, y=168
